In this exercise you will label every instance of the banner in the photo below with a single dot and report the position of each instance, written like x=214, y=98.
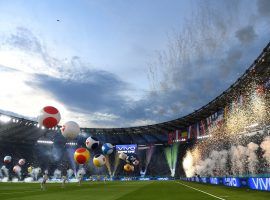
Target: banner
x=193, y=131
x=232, y=182
x=171, y=137
x=214, y=181
x=259, y=184
x=202, y=127
x=126, y=148
x=184, y=135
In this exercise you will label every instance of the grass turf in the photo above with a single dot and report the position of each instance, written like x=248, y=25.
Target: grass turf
x=152, y=190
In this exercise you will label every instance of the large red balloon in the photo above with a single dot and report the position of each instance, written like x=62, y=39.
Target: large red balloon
x=81, y=155
x=49, y=117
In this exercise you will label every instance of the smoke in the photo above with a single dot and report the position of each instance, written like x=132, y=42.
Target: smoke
x=57, y=174
x=246, y=34
x=263, y=7
x=214, y=165
x=5, y=179
x=70, y=152
x=15, y=180
x=238, y=160
x=244, y=159
x=265, y=145
x=35, y=173
x=5, y=171
x=28, y=180
x=81, y=171
x=70, y=173
x=252, y=158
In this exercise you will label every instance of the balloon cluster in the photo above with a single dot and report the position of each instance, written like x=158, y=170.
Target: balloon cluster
x=131, y=161
x=50, y=117
x=17, y=168
x=82, y=155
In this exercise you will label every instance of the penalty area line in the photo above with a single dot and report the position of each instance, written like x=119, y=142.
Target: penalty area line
x=200, y=190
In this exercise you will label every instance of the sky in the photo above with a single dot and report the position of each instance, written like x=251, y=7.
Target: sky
x=125, y=63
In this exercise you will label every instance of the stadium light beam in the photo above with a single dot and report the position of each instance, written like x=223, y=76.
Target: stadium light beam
x=116, y=163
x=108, y=165
x=171, y=156
x=149, y=153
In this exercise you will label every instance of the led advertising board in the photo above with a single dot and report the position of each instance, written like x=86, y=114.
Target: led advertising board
x=259, y=183
x=232, y=182
x=126, y=148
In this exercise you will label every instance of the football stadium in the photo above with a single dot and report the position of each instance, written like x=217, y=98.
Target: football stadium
x=74, y=130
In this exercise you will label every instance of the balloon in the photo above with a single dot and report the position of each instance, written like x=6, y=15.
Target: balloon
x=136, y=162
x=17, y=169
x=99, y=160
x=70, y=130
x=81, y=155
x=128, y=168
x=131, y=158
x=122, y=156
x=30, y=169
x=107, y=148
x=92, y=143
x=49, y=117
x=21, y=161
x=7, y=159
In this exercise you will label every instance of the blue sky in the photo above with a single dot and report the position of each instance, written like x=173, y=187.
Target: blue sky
x=125, y=63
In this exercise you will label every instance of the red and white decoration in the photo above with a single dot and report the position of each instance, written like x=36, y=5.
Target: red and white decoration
x=49, y=117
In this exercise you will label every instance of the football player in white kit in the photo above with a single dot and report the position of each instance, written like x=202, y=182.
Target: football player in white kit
x=80, y=177
x=44, y=180
x=64, y=180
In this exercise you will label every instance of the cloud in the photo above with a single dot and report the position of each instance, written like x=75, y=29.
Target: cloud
x=263, y=7
x=25, y=40
x=246, y=35
x=230, y=62
x=97, y=91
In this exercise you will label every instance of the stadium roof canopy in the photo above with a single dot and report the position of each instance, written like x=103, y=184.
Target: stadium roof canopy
x=14, y=129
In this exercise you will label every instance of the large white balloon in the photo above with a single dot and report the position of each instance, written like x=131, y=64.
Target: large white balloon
x=70, y=130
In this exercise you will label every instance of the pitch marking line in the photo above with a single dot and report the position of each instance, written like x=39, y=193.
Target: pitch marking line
x=201, y=191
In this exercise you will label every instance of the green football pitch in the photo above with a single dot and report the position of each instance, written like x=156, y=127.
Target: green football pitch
x=152, y=190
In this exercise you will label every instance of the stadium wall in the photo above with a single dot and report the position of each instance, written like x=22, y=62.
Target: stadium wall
x=254, y=183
